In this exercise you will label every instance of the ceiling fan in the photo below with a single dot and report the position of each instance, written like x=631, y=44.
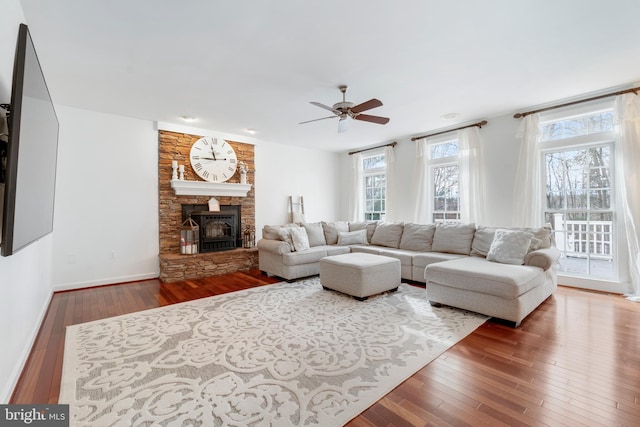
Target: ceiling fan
x=345, y=109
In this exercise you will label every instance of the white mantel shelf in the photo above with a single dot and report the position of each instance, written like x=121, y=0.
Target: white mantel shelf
x=203, y=188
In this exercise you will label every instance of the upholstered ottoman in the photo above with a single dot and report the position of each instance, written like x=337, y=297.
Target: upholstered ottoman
x=360, y=274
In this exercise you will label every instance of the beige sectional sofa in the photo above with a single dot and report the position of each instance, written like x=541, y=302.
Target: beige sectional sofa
x=501, y=272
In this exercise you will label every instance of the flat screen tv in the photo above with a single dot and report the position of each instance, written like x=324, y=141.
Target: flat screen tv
x=31, y=153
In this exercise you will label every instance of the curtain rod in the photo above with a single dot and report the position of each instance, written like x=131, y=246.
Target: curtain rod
x=392, y=144
x=622, y=92
x=479, y=124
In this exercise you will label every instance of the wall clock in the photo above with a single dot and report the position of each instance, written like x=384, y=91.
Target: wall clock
x=213, y=159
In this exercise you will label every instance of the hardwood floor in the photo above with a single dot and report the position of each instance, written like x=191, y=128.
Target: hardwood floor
x=574, y=361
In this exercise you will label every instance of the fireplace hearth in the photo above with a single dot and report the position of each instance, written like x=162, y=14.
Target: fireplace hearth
x=219, y=231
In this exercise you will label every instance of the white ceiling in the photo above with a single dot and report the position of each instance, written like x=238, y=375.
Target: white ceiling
x=238, y=64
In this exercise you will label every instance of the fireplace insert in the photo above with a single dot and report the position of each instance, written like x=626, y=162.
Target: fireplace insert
x=219, y=231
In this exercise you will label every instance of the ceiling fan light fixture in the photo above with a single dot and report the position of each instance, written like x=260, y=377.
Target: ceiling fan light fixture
x=345, y=109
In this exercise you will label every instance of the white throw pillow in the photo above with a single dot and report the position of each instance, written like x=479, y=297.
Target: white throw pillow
x=509, y=247
x=358, y=237
x=315, y=233
x=300, y=238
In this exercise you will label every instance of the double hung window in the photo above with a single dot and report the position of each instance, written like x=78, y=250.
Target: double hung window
x=444, y=176
x=375, y=186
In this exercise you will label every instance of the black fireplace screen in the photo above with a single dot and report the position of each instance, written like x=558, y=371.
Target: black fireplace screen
x=219, y=231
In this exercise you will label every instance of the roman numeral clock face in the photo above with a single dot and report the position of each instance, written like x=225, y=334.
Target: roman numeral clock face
x=213, y=159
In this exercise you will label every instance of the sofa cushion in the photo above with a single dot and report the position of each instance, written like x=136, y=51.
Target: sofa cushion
x=299, y=238
x=368, y=249
x=370, y=226
x=352, y=238
x=417, y=237
x=387, y=234
x=331, y=230
x=315, y=232
x=479, y=275
x=313, y=254
x=509, y=246
x=482, y=241
x=426, y=258
x=453, y=238
x=405, y=256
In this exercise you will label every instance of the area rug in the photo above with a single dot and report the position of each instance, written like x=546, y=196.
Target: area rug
x=288, y=354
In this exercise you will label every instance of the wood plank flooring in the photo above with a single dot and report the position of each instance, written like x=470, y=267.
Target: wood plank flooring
x=575, y=361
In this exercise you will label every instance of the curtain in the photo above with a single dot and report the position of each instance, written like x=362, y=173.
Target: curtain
x=627, y=161
x=527, y=195
x=470, y=177
x=421, y=211
x=390, y=179
x=356, y=200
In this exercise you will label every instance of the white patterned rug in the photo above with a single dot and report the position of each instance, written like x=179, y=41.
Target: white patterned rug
x=288, y=354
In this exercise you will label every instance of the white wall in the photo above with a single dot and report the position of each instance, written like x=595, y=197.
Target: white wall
x=283, y=171
x=25, y=277
x=106, y=213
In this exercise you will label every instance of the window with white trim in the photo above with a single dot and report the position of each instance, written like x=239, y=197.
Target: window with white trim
x=578, y=167
x=374, y=168
x=444, y=173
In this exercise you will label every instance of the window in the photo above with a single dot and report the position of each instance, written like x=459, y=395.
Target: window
x=578, y=162
x=444, y=170
x=375, y=186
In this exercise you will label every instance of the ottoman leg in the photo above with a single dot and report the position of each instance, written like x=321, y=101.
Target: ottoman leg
x=361, y=298
x=392, y=290
x=435, y=304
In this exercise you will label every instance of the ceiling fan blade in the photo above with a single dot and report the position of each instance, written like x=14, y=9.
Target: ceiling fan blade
x=326, y=107
x=367, y=105
x=315, y=120
x=342, y=126
x=372, y=119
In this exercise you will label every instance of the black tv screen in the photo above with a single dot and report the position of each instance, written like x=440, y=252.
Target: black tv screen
x=32, y=149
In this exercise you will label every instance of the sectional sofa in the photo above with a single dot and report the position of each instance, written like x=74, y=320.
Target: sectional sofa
x=501, y=272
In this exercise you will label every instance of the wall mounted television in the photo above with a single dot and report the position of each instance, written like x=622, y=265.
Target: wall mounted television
x=31, y=155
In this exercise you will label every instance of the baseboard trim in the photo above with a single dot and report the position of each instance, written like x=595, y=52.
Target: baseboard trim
x=105, y=281
x=7, y=393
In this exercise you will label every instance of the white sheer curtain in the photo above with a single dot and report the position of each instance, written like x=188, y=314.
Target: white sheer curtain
x=627, y=164
x=527, y=195
x=422, y=212
x=356, y=200
x=470, y=178
x=390, y=196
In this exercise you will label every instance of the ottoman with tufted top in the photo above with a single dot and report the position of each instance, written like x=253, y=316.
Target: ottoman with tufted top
x=360, y=274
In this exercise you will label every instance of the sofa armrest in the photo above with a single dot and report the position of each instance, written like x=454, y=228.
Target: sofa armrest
x=543, y=258
x=274, y=246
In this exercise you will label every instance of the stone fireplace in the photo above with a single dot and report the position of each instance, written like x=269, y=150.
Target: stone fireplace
x=219, y=257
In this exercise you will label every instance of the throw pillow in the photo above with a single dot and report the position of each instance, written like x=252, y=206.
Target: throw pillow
x=388, y=234
x=272, y=232
x=509, y=246
x=352, y=238
x=370, y=226
x=284, y=234
x=453, y=238
x=315, y=233
x=299, y=238
x=482, y=241
x=417, y=237
x=331, y=230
